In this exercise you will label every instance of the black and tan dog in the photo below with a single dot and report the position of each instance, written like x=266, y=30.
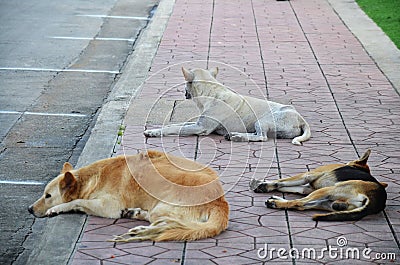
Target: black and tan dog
x=349, y=191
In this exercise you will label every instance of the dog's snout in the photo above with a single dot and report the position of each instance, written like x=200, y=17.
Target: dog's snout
x=30, y=209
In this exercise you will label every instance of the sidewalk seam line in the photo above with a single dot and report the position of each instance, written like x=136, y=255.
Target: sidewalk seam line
x=210, y=32
x=260, y=50
x=286, y=210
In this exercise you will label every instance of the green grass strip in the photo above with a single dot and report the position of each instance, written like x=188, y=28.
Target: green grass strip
x=386, y=14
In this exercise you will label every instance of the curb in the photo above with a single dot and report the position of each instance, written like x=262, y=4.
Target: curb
x=57, y=244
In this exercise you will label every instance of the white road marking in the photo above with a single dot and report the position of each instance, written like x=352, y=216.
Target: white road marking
x=120, y=17
x=16, y=182
x=43, y=113
x=86, y=38
x=57, y=70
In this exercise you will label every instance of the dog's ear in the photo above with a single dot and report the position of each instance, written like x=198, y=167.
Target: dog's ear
x=214, y=72
x=68, y=186
x=383, y=184
x=67, y=167
x=189, y=76
x=364, y=159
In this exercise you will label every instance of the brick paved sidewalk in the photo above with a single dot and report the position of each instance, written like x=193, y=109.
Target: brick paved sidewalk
x=296, y=52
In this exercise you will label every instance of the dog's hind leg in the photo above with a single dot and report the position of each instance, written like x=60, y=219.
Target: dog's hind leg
x=260, y=134
x=145, y=232
x=245, y=137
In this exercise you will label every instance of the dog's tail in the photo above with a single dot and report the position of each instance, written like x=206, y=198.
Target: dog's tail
x=369, y=206
x=182, y=230
x=352, y=215
x=306, y=133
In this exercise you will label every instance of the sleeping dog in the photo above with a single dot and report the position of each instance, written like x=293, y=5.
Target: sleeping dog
x=182, y=200
x=349, y=191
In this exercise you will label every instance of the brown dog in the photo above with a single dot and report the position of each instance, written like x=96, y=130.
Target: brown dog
x=348, y=190
x=181, y=199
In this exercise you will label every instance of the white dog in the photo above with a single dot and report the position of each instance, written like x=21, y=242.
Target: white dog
x=239, y=118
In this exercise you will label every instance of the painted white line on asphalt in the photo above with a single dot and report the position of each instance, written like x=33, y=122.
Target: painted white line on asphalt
x=42, y=113
x=16, y=182
x=86, y=38
x=10, y=112
x=120, y=17
x=56, y=70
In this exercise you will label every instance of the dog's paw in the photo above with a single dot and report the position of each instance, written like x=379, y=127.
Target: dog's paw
x=254, y=183
x=152, y=133
x=235, y=137
x=52, y=212
x=274, y=201
x=134, y=213
x=137, y=230
x=259, y=186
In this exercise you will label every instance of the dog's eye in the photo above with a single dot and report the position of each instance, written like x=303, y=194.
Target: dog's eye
x=48, y=195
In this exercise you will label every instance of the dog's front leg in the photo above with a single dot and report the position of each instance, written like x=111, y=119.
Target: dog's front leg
x=98, y=207
x=260, y=186
x=185, y=129
x=181, y=130
x=61, y=208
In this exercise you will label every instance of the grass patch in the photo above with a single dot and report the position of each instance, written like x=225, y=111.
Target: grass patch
x=386, y=14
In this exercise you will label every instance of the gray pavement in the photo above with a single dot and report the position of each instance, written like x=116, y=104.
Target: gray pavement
x=57, y=245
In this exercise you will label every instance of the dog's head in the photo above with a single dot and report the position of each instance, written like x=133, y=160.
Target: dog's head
x=197, y=75
x=361, y=162
x=63, y=188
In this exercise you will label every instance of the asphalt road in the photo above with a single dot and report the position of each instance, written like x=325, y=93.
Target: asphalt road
x=59, y=61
